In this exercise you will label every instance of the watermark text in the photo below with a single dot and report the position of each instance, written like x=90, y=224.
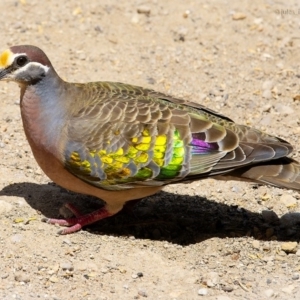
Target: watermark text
x=285, y=11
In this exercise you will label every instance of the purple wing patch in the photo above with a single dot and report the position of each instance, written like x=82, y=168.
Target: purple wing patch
x=199, y=146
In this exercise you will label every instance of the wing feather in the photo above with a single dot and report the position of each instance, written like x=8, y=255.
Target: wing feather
x=121, y=136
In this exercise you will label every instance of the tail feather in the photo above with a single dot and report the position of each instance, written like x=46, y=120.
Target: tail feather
x=283, y=172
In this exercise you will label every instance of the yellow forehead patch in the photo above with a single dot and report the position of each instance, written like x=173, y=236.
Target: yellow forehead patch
x=6, y=58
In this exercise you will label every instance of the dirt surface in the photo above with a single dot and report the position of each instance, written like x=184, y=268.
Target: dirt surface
x=207, y=239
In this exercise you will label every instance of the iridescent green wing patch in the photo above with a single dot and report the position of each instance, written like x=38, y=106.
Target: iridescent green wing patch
x=172, y=169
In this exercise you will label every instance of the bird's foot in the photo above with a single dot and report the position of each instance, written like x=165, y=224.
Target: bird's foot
x=79, y=220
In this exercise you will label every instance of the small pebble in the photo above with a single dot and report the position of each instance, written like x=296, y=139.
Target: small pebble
x=280, y=65
x=268, y=259
x=288, y=200
x=283, y=109
x=67, y=241
x=211, y=279
x=143, y=9
x=268, y=85
x=227, y=288
x=238, y=16
x=142, y=293
x=295, y=276
x=266, y=107
x=4, y=275
x=202, y=292
x=289, y=247
x=236, y=189
x=104, y=270
x=38, y=172
x=16, y=238
x=265, y=197
x=180, y=34
x=269, y=293
x=53, y=279
x=140, y=274
x=21, y=277
x=98, y=28
x=289, y=289
x=267, y=94
x=256, y=244
x=67, y=266
x=186, y=13
x=257, y=21
x=54, y=268
x=296, y=98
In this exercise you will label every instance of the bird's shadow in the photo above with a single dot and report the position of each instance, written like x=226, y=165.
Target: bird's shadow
x=180, y=219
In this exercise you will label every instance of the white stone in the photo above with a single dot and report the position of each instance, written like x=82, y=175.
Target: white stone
x=202, y=292
x=269, y=293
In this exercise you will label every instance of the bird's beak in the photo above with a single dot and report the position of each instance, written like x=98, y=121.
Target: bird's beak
x=3, y=73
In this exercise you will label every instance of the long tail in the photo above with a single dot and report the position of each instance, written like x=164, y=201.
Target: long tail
x=283, y=172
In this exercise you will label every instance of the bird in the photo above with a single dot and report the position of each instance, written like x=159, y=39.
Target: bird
x=120, y=142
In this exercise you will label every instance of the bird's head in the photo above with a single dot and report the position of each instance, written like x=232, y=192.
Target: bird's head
x=24, y=64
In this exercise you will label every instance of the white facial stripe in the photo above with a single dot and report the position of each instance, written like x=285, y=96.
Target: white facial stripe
x=18, y=54
x=30, y=65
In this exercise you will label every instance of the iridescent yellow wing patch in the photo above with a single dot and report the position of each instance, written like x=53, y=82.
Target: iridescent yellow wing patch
x=143, y=159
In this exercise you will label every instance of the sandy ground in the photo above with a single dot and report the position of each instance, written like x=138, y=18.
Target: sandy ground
x=208, y=239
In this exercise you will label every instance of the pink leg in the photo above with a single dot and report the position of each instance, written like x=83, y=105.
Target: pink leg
x=80, y=220
x=71, y=207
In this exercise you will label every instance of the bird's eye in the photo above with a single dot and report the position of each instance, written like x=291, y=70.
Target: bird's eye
x=21, y=61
